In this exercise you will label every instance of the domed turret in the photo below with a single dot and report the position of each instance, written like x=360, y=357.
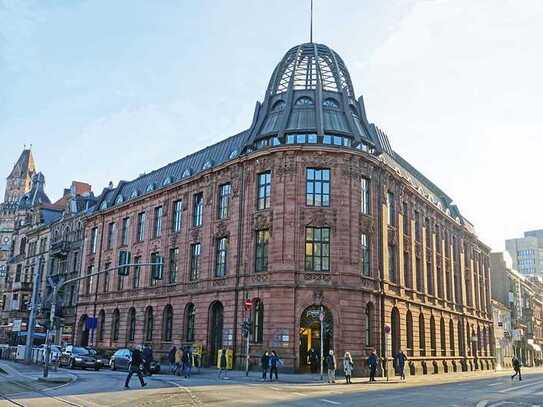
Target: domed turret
x=310, y=99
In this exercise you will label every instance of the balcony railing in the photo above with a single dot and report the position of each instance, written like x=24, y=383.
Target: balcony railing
x=60, y=248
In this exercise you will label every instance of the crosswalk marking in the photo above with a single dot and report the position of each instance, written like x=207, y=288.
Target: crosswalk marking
x=514, y=388
x=330, y=401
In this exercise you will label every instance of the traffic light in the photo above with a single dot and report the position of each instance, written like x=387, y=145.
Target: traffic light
x=246, y=328
x=124, y=258
x=157, y=269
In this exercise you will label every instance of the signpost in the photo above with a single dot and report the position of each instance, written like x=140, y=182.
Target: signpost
x=248, y=304
x=388, y=347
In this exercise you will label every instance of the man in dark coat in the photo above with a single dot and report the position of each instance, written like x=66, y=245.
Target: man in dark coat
x=222, y=363
x=372, y=364
x=265, y=364
x=274, y=361
x=187, y=362
x=147, y=359
x=135, y=367
x=516, y=368
x=171, y=359
x=400, y=360
x=314, y=360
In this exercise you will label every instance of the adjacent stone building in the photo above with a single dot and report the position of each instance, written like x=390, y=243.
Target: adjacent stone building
x=309, y=209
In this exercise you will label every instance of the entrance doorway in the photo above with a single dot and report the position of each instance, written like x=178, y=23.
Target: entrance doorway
x=83, y=331
x=216, y=322
x=310, y=337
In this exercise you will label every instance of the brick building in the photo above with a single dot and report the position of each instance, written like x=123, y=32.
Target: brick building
x=309, y=207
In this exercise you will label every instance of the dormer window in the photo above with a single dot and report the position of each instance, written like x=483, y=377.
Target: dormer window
x=330, y=102
x=103, y=205
x=187, y=173
x=233, y=154
x=134, y=194
x=207, y=165
x=304, y=101
x=150, y=187
x=167, y=181
x=279, y=106
x=119, y=199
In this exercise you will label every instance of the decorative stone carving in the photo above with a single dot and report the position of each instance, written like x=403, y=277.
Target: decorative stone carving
x=319, y=217
x=324, y=277
x=367, y=224
x=393, y=238
x=219, y=282
x=318, y=296
x=260, y=278
x=222, y=230
x=195, y=234
x=263, y=220
x=286, y=167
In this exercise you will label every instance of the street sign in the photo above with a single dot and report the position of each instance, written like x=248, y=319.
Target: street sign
x=91, y=323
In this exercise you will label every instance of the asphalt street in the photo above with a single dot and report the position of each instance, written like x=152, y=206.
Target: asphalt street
x=105, y=388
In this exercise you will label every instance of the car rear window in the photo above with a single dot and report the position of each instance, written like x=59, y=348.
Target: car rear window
x=80, y=351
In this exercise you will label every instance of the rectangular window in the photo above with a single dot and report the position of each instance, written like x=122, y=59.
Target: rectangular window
x=125, y=231
x=365, y=254
x=261, y=255
x=110, y=233
x=172, y=269
x=317, y=249
x=106, y=276
x=264, y=190
x=75, y=265
x=141, y=226
x=392, y=276
x=198, y=209
x=137, y=272
x=224, y=200
x=417, y=227
x=405, y=213
x=88, y=280
x=176, y=215
x=365, y=196
x=18, y=273
x=430, y=277
x=318, y=187
x=406, y=270
x=93, y=240
x=428, y=233
x=391, y=211
x=194, y=261
x=420, y=279
x=120, y=282
x=155, y=269
x=221, y=257
x=157, y=225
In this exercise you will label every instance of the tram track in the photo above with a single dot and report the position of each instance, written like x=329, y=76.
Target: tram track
x=42, y=393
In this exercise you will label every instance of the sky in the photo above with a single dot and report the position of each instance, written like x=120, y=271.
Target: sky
x=107, y=90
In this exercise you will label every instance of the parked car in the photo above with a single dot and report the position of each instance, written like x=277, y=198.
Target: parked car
x=101, y=358
x=77, y=356
x=121, y=361
x=56, y=351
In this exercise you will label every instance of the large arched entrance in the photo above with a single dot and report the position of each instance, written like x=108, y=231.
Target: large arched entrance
x=310, y=335
x=395, y=331
x=216, y=323
x=83, y=331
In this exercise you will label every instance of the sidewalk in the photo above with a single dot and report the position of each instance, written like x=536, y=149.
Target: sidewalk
x=16, y=370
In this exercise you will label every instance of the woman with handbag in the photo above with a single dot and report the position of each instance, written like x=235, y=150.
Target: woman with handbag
x=348, y=367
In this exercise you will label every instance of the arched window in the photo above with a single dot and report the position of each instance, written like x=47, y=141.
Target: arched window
x=115, y=325
x=233, y=154
x=479, y=341
x=101, y=325
x=187, y=173
x=278, y=106
x=67, y=233
x=103, y=205
x=369, y=324
x=330, y=102
x=22, y=246
x=460, y=334
x=134, y=194
x=258, y=321
x=190, y=318
x=131, y=324
x=485, y=341
x=150, y=187
x=442, y=340
x=167, y=181
x=148, y=325
x=451, y=337
x=433, y=345
x=422, y=335
x=119, y=199
x=409, y=329
x=304, y=101
x=167, y=323
x=207, y=165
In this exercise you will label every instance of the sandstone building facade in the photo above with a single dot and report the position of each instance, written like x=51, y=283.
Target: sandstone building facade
x=308, y=209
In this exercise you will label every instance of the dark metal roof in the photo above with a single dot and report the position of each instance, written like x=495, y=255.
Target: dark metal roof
x=36, y=195
x=187, y=167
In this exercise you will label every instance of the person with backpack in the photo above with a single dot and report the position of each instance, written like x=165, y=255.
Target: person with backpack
x=331, y=365
x=135, y=367
x=400, y=360
x=516, y=368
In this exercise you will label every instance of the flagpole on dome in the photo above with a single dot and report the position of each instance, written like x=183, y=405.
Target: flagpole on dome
x=311, y=24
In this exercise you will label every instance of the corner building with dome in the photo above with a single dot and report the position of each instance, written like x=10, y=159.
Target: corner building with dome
x=309, y=209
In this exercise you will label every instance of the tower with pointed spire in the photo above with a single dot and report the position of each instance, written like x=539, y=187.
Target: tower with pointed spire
x=19, y=181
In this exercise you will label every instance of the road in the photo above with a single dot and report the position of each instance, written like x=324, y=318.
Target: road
x=105, y=388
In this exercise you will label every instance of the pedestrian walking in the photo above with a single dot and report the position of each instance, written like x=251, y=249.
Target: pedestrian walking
x=314, y=360
x=516, y=368
x=265, y=364
x=400, y=360
x=348, y=367
x=178, y=361
x=372, y=364
x=222, y=363
x=135, y=367
x=147, y=359
x=171, y=358
x=274, y=363
x=187, y=362
x=331, y=366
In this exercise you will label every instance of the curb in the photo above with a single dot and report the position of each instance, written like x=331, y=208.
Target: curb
x=57, y=380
